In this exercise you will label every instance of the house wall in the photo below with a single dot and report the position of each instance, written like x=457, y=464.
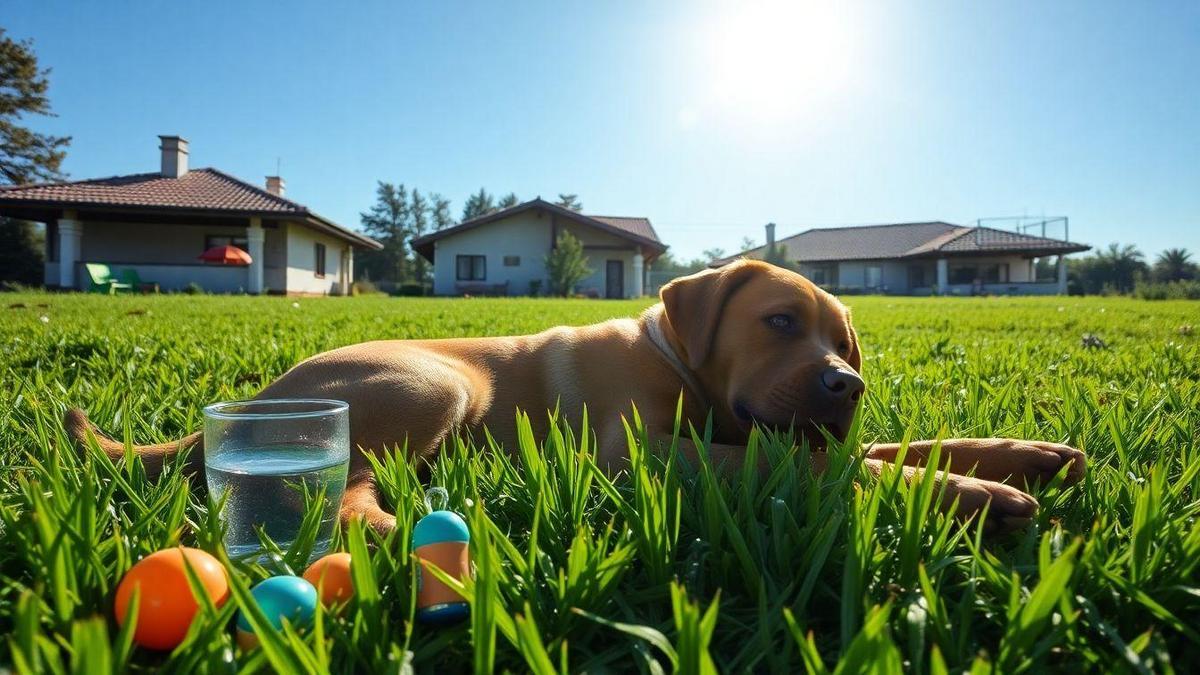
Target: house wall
x=524, y=235
x=528, y=236
x=302, y=259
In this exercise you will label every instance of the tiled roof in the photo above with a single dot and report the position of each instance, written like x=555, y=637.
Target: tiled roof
x=637, y=230
x=989, y=239
x=197, y=190
x=639, y=226
x=201, y=189
x=905, y=240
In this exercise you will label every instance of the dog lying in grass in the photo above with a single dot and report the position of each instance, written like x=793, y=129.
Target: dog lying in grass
x=753, y=343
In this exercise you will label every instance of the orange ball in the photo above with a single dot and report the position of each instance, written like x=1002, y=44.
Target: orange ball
x=166, y=606
x=331, y=576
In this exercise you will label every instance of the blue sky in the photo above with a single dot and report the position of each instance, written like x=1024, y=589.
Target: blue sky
x=710, y=119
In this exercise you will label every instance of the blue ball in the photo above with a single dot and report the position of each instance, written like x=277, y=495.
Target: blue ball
x=283, y=597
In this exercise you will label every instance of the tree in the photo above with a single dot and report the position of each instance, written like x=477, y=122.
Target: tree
x=1114, y=269
x=777, y=255
x=569, y=201
x=387, y=221
x=508, y=201
x=21, y=258
x=747, y=244
x=566, y=265
x=479, y=204
x=418, y=224
x=439, y=211
x=25, y=156
x=714, y=254
x=1174, y=264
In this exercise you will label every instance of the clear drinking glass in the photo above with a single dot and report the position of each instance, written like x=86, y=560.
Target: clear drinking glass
x=262, y=456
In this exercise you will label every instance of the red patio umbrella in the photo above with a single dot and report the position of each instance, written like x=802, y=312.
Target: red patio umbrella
x=226, y=255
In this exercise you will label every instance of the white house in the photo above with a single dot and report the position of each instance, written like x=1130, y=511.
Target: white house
x=503, y=253
x=156, y=225
x=922, y=259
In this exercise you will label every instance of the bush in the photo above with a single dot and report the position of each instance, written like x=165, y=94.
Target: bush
x=21, y=258
x=409, y=289
x=194, y=288
x=1171, y=290
x=364, y=287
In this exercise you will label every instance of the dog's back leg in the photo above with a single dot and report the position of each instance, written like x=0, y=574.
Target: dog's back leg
x=154, y=457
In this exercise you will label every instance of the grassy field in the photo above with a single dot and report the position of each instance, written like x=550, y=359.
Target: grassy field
x=667, y=568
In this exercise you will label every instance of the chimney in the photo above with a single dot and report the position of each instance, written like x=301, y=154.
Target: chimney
x=770, y=237
x=275, y=185
x=174, y=156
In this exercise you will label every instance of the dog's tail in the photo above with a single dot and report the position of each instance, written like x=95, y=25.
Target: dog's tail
x=153, y=457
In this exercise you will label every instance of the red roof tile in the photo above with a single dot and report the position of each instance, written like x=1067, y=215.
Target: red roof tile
x=199, y=189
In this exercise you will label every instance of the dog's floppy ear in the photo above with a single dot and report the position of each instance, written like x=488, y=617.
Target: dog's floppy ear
x=694, y=304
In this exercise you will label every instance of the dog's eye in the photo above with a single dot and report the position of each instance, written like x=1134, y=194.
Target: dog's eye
x=843, y=348
x=780, y=322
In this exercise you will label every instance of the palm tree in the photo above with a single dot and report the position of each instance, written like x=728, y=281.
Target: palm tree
x=1122, y=265
x=1174, y=264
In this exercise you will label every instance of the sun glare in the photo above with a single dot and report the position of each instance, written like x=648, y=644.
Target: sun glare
x=770, y=60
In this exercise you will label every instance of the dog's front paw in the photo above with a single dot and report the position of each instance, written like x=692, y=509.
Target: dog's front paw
x=1008, y=508
x=1042, y=461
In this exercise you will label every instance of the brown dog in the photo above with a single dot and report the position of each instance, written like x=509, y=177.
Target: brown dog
x=750, y=341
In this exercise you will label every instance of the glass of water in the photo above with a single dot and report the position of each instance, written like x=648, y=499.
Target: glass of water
x=262, y=456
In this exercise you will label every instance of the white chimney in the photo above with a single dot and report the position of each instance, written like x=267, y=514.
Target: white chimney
x=770, y=236
x=174, y=156
x=275, y=185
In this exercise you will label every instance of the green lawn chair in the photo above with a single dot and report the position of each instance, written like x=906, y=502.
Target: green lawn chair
x=131, y=277
x=102, y=280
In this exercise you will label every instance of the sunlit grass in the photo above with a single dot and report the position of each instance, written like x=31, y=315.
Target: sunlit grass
x=669, y=567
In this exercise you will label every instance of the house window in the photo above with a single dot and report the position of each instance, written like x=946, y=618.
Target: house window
x=988, y=273
x=471, y=267
x=874, y=276
x=994, y=273
x=916, y=276
x=963, y=274
x=225, y=240
x=512, y=261
x=319, y=260
x=823, y=275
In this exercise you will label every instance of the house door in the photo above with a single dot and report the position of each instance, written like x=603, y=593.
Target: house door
x=614, y=279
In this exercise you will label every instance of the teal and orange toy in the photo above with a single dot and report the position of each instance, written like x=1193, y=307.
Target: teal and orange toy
x=441, y=539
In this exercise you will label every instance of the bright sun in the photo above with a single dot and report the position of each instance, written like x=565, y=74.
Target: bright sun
x=771, y=60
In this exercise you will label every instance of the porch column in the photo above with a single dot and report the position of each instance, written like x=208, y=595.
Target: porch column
x=638, y=269
x=1060, y=266
x=349, y=270
x=70, y=236
x=943, y=276
x=254, y=244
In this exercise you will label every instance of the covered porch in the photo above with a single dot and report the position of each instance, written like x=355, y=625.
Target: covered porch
x=990, y=274
x=164, y=249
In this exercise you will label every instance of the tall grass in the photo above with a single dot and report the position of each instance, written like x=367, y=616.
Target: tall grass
x=666, y=567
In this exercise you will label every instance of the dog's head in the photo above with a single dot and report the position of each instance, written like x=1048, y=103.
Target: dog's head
x=768, y=346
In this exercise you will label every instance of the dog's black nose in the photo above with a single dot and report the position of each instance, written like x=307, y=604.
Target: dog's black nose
x=844, y=385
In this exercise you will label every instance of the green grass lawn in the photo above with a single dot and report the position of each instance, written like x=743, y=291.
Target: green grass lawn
x=670, y=567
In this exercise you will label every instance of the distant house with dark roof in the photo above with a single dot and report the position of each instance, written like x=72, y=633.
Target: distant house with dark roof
x=503, y=253
x=921, y=259
x=158, y=224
